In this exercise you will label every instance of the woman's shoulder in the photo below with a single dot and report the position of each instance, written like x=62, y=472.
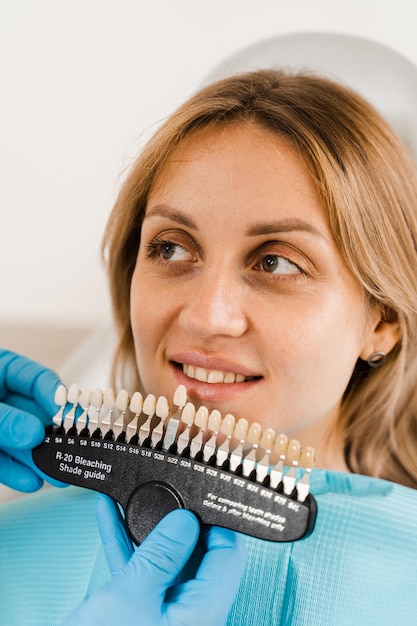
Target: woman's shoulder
x=358, y=566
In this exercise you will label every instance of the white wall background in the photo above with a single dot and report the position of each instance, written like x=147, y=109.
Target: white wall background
x=81, y=82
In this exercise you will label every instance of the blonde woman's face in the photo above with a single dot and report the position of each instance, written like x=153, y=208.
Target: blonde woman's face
x=239, y=292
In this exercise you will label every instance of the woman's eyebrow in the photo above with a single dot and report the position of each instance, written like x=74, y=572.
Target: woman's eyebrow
x=162, y=210
x=284, y=226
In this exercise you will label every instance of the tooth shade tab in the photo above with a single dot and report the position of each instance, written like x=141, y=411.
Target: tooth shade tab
x=214, y=424
x=109, y=399
x=241, y=429
x=73, y=393
x=149, y=405
x=60, y=397
x=162, y=407
x=280, y=445
x=215, y=421
x=201, y=417
x=96, y=404
x=267, y=439
x=84, y=402
x=122, y=401
x=293, y=452
x=136, y=403
x=200, y=420
x=254, y=434
x=188, y=414
x=161, y=411
x=228, y=425
x=303, y=485
x=97, y=398
x=307, y=458
x=85, y=397
x=180, y=396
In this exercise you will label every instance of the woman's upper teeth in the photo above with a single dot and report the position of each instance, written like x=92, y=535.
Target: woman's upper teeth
x=212, y=376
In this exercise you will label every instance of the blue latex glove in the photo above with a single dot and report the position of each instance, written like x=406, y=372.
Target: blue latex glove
x=26, y=404
x=145, y=587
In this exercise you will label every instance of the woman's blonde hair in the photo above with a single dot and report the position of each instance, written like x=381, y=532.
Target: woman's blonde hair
x=367, y=182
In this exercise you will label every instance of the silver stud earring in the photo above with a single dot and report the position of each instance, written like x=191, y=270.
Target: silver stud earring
x=376, y=359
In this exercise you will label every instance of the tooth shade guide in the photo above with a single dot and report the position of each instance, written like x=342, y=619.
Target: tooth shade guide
x=129, y=468
x=233, y=445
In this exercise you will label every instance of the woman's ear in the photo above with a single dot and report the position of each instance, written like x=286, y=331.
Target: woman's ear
x=384, y=333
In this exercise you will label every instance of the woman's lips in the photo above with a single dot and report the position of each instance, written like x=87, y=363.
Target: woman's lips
x=191, y=361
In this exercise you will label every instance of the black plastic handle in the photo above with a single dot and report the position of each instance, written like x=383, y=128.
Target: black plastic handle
x=148, y=483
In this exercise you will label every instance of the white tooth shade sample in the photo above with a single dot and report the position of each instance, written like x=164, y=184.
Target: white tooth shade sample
x=180, y=396
x=73, y=393
x=122, y=401
x=267, y=440
x=241, y=429
x=228, y=425
x=188, y=414
x=136, y=403
x=201, y=417
x=149, y=405
x=61, y=395
x=215, y=421
x=162, y=407
x=109, y=399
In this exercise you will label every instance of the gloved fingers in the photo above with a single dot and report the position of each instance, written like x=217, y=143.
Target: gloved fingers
x=117, y=545
x=17, y=476
x=25, y=377
x=19, y=429
x=223, y=546
x=167, y=548
x=218, y=578
x=24, y=457
x=28, y=405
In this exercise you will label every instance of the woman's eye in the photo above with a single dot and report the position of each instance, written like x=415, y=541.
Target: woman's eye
x=169, y=251
x=275, y=264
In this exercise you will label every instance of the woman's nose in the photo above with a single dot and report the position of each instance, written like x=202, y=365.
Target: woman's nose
x=215, y=305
